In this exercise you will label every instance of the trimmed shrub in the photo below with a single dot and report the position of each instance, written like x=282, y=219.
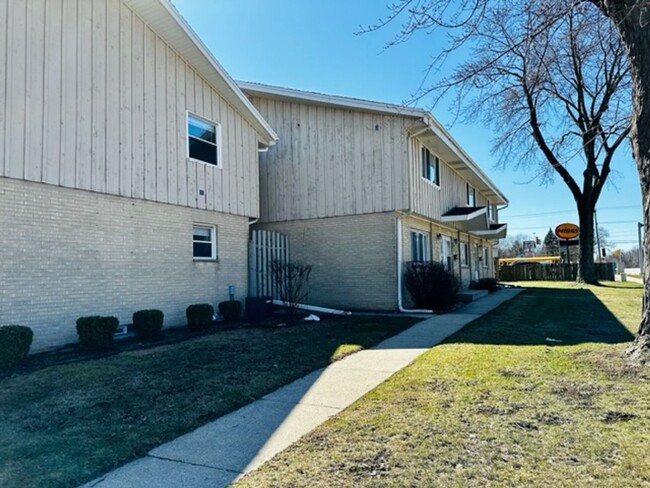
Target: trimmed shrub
x=199, y=316
x=96, y=333
x=489, y=284
x=230, y=309
x=431, y=286
x=147, y=323
x=15, y=341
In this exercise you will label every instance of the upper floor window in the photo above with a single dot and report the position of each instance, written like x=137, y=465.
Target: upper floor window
x=471, y=196
x=430, y=166
x=420, y=246
x=203, y=140
x=490, y=211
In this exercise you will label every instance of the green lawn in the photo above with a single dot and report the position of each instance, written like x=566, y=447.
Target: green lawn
x=498, y=405
x=64, y=425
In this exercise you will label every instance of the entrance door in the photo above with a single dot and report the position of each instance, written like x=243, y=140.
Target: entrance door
x=446, y=253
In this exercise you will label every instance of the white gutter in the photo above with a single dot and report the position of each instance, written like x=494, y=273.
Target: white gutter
x=311, y=308
x=399, y=272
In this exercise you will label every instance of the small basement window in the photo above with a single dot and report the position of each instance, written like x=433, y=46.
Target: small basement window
x=203, y=140
x=204, y=239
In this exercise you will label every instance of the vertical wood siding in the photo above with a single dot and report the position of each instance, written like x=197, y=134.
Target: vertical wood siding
x=331, y=162
x=430, y=200
x=92, y=98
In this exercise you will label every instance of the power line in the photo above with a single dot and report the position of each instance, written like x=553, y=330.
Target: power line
x=558, y=212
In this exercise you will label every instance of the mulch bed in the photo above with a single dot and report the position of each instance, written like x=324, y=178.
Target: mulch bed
x=73, y=353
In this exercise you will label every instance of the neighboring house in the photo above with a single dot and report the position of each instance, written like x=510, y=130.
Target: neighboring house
x=361, y=187
x=128, y=166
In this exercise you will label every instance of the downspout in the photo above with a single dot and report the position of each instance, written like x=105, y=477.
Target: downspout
x=460, y=263
x=399, y=272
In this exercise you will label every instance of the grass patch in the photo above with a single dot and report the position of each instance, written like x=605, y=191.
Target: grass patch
x=67, y=424
x=498, y=405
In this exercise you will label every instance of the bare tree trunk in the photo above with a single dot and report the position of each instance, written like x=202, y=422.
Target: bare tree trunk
x=633, y=22
x=586, y=271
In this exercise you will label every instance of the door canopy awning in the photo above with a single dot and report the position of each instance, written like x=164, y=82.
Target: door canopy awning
x=475, y=221
x=496, y=231
x=469, y=218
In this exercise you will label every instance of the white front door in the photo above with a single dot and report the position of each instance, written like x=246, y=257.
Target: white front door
x=446, y=254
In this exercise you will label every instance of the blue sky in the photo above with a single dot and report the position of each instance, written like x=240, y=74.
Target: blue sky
x=312, y=45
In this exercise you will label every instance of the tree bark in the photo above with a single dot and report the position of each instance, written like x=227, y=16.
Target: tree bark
x=632, y=19
x=586, y=269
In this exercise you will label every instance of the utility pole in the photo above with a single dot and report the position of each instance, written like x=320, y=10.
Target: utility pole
x=600, y=258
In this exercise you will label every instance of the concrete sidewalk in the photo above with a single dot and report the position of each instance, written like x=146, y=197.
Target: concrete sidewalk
x=224, y=450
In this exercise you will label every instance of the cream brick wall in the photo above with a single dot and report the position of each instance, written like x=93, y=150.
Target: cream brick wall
x=66, y=253
x=466, y=273
x=354, y=259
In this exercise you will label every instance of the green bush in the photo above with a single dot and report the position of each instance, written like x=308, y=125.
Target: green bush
x=96, y=333
x=147, y=323
x=199, y=316
x=15, y=341
x=231, y=309
x=489, y=284
x=431, y=285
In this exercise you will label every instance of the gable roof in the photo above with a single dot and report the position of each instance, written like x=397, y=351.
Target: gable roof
x=427, y=129
x=168, y=23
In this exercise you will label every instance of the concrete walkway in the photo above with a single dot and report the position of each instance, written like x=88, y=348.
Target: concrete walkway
x=224, y=450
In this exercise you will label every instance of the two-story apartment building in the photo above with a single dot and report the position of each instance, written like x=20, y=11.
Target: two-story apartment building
x=361, y=187
x=128, y=165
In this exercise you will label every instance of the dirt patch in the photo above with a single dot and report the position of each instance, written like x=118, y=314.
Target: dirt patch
x=509, y=409
x=525, y=425
x=374, y=466
x=612, y=416
x=437, y=384
x=550, y=418
x=583, y=393
x=509, y=373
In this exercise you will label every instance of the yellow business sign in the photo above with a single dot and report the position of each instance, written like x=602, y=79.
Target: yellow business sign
x=567, y=231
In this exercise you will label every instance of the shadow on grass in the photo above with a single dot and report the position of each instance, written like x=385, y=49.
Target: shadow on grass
x=540, y=316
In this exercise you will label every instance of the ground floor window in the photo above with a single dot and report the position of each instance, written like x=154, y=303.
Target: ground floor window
x=420, y=246
x=204, y=238
x=486, y=258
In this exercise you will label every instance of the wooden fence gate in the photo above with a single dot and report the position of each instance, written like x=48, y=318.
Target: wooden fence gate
x=264, y=248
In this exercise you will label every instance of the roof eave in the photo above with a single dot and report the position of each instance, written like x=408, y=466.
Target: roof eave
x=261, y=89
x=441, y=133
x=175, y=31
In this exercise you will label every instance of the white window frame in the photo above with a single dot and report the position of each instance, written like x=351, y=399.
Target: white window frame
x=471, y=191
x=486, y=257
x=217, y=132
x=490, y=212
x=213, y=242
x=424, y=239
x=424, y=163
x=464, y=254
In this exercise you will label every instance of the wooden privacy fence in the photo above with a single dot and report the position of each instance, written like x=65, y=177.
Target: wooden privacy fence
x=551, y=272
x=264, y=248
